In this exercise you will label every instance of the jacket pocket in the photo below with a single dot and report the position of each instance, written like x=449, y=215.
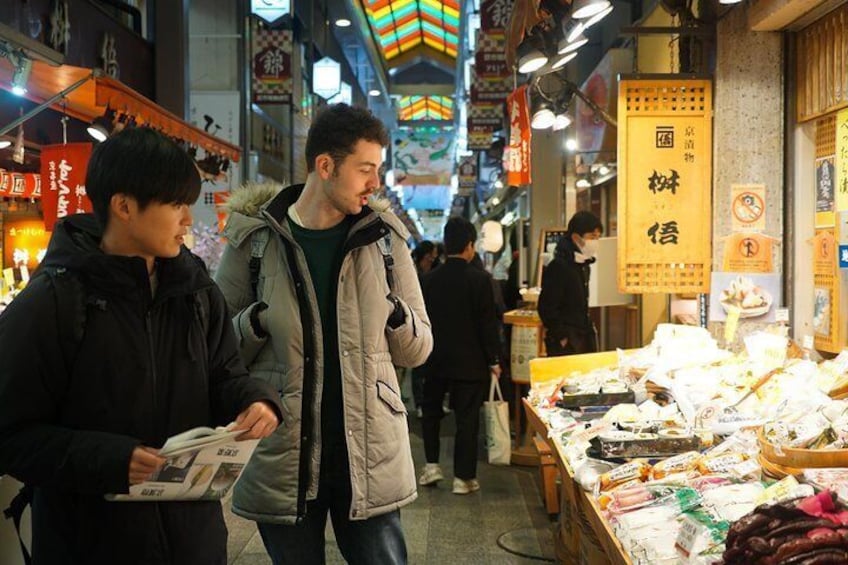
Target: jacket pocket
x=391, y=398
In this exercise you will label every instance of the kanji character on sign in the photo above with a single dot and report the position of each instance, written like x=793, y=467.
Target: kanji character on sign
x=667, y=232
x=659, y=183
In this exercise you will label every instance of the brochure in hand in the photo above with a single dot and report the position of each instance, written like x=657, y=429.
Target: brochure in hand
x=201, y=464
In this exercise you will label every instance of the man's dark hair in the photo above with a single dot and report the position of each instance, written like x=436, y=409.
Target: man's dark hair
x=337, y=129
x=144, y=164
x=584, y=222
x=458, y=233
x=424, y=248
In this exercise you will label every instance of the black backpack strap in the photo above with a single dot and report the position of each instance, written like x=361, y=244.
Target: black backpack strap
x=71, y=305
x=15, y=512
x=258, y=242
x=385, y=246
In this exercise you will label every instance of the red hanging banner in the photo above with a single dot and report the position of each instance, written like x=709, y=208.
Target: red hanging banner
x=63, y=172
x=517, y=155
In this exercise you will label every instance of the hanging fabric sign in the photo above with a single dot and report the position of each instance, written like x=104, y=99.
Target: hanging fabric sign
x=63, y=170
x=517, y=156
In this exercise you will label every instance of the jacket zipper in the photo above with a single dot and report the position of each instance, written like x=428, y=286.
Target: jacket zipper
x=152, y=358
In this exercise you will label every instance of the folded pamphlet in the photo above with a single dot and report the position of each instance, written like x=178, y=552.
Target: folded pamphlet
x=201, y=464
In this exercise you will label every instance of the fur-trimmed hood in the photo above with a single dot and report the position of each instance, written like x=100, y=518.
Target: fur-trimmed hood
x=247, y=204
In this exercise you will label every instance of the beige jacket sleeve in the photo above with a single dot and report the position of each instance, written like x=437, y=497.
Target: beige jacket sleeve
x=411, y=343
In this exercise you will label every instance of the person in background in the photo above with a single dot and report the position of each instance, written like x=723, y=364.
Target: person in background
x=155, y=356
x=564, y=300
x=336, y=304
x=424, y=256
x=461, y=306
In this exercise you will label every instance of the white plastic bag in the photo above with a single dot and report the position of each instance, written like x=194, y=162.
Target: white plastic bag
x=496, y=411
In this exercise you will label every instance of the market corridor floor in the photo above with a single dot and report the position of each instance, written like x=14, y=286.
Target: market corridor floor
x=442, y=528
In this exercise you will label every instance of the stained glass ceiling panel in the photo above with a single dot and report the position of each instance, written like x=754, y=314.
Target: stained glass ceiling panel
x=401, y=25
x=411, y=108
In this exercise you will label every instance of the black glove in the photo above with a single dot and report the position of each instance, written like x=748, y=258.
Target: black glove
x=254, y=320
x=398, y=315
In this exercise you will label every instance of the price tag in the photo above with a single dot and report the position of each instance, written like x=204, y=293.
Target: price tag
x=781, y=315
x=9, y=277
x=807, y=342
x=687, y=535
x=731, y=323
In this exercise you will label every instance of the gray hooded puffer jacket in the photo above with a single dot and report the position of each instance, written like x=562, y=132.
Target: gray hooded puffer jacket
x=283, y=472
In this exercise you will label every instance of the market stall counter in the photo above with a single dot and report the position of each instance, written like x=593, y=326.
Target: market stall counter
x=683, y=453
x=583, y=535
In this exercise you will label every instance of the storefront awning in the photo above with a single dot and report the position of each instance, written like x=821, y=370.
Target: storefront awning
x=89, y=101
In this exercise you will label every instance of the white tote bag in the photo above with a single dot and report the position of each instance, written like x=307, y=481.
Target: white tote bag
x=496, y=411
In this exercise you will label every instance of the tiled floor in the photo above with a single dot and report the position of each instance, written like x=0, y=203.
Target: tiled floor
x=443, y=528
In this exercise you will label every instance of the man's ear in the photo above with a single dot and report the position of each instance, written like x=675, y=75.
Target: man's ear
x=324, y=166
x=121, y=206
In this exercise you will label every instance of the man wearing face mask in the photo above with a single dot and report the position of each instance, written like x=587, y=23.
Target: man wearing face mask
x=564, y=300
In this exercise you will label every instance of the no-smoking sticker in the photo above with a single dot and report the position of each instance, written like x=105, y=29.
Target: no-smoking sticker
x=748, y=207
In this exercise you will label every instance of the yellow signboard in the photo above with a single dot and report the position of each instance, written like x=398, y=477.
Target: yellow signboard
x=842, y=161
x=665, y=175
x=826, y=294
x=748, y=253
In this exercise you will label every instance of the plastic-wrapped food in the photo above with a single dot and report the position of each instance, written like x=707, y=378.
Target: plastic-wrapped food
x=637, y=469
x=677, y=464
x=719, y=463
x=642, y=495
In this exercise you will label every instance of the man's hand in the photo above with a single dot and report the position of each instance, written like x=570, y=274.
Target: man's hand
x=258, y=420
x=563, y=342
x=143, y=463
x=496, y=371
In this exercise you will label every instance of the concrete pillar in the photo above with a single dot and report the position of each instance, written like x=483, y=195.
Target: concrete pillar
x=748, y=146
x=547, y=196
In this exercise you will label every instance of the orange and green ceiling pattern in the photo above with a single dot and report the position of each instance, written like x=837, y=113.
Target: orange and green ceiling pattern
x=412, y=108
x=401, y=25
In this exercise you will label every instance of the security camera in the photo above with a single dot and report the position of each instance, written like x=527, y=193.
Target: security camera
x=12, y=40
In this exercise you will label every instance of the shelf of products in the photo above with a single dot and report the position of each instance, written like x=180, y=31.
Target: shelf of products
x=712, y=444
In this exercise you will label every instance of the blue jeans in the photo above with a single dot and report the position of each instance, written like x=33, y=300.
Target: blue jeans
x=375, y=541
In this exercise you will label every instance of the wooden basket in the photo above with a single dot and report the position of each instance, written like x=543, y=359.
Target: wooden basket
x=801, y=458
x=777, y=471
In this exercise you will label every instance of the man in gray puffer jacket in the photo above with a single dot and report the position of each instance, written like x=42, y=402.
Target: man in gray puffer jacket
x=325, y=299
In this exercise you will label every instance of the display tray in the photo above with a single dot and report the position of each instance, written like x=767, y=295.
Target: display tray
x=658, y=447
x=599, y=399
x=801, y=458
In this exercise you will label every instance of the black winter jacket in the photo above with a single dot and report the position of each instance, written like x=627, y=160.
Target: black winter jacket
x=564, y=300
x=146, y=368
x=461, y=307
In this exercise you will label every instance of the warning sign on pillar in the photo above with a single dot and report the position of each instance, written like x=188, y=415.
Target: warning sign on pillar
x=748, y=253
x=748, y=207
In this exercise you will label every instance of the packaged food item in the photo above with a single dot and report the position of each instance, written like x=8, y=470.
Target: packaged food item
x=719, y=463
x=677, y=464
x=636, y=469
x=642, y=495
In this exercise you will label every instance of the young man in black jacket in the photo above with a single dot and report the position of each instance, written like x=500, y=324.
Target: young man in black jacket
x=156, y=356
x=564, y=300
x=461, y=306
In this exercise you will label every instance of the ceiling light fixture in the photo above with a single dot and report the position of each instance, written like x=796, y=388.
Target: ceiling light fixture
x=563, y=59
x=530, y=54
x=561, y=121
x=571, y=144
x=101, y=128
x=23, y=68
x=598, y=17
x=572, y=29
x=583, y=183
x=374, y=92
x=582, y=9
x=4, y=143
x=574, y=45
x=343, y=22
